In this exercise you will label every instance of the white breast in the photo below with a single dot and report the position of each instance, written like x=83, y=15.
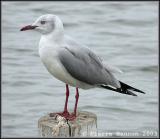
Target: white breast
x=51, y=62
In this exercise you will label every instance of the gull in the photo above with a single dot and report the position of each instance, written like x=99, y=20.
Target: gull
x=72, y=63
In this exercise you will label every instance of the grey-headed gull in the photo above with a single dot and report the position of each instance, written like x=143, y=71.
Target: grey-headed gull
x=72, y=63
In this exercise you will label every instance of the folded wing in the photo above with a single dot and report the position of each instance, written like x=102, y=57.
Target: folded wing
x=85, y=66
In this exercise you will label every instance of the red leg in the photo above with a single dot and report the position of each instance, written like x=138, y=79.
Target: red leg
x=77, y=97
x=65, y=113
x=66, y=102
x=73, y=115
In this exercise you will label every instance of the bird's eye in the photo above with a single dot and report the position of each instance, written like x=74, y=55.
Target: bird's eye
x=43, y=22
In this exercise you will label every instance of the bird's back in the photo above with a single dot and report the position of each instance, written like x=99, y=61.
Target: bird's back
x=85, y=65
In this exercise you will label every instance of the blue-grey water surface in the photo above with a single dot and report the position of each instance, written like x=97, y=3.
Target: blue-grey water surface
x=123, y=34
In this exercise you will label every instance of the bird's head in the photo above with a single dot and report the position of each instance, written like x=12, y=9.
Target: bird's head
x=45, y=24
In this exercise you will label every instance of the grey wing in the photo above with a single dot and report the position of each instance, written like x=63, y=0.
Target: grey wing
x=85, y=66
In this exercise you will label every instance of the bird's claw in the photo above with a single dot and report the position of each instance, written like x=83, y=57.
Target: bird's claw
x=65, y=114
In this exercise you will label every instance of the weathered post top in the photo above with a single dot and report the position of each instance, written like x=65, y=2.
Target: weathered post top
x=85, y=125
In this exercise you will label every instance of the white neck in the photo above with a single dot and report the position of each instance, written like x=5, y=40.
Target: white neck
x=55, y=36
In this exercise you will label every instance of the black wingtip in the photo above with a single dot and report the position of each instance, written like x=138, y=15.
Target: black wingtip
x=125, y=89
x=119, y=90
x=126, y=86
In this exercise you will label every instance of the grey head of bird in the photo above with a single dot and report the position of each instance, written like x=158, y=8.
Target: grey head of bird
x=45, y=24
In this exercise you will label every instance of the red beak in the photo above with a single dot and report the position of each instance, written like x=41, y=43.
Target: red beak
x=29, y=27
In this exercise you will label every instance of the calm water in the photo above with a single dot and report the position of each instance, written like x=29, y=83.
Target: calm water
x=123, y=34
